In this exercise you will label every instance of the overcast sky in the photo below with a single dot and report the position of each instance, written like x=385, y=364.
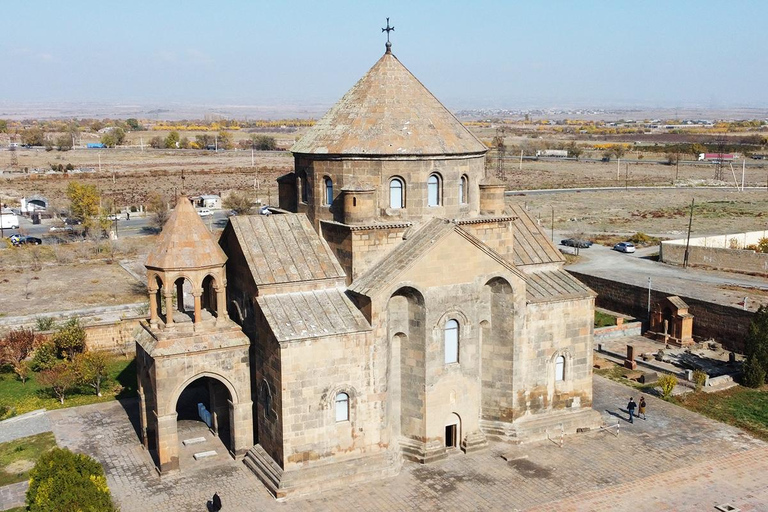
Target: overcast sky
x=499, y=54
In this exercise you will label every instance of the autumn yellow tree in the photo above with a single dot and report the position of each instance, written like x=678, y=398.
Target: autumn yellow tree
x=84, y=203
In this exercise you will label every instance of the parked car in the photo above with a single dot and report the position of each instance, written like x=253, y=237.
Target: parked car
x=624, y=247
x=61, y=228
x=69, y=221
x=18, y=240
x=204, y=212
x=115, y=216
x=576, y=242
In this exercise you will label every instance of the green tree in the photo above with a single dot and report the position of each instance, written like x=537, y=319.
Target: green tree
x=574, y=150
x=225, y=140
x=33, y=137
x=157, y=142
x=753, y=375
x=66, y=481
x=696, y=150
x=69, y=339
x=64, y=142
x=109, y=140
x=618, y=151
x=240, y=202
x=45, y=357
x=119, y=135
x=84, y=203
x=60, y=378
x=264, y=142
x=3, y=126
x=172, y=140
x=204, y=140
x=756, y=342
x=90, y=368
x=134, y=125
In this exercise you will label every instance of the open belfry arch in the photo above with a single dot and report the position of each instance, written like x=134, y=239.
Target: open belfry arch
x=189, y=339
x=395, y=307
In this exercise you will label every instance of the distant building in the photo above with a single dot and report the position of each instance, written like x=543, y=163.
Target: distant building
x=211, y=201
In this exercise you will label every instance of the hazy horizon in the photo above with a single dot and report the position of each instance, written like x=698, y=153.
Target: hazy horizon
x=306, y=55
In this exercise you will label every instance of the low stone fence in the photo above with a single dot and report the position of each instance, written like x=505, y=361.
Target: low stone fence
x=722, y=252
x=726, y=324
x=117, y=336
x=617, y=331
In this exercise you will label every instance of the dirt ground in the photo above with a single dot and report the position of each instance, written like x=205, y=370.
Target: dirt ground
x=42, y=279
x=663, y=213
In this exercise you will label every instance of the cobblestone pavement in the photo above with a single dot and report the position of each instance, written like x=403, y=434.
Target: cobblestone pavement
x=35, y=422
x=13, y=495
x=674, y=460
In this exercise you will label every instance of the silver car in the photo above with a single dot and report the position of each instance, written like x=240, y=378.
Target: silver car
x=624, y=247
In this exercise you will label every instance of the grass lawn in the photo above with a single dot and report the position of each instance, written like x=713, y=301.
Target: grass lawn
x=19, y=456
x=604, y=319
x=741, y=407
x=21, y=398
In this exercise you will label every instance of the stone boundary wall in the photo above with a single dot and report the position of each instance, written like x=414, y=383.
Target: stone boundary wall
x=726, y=324
x=115, y=336
x=723, y=252
x=618, y=331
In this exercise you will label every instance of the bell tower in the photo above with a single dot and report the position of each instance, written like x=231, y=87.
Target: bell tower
x=193, y=362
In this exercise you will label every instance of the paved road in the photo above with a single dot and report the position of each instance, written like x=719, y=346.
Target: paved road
x=35, y=422
x=545, y=191
x=675, y=460
x=134, y=227
x=636, y=268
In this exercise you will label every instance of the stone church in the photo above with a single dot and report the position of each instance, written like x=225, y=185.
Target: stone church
x=393, y=307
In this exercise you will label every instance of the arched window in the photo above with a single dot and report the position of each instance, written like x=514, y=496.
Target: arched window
x=433, y=190
x=560, y=368
x=463, y=190
x=396, y=193
x=328, y=191
x=451, y=335
x=342, y=407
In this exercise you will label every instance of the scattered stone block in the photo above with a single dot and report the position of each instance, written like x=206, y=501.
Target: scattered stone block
x=194, y=440
x=203, y=455
x=649, y=377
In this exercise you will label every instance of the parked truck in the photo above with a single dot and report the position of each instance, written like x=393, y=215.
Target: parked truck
x=558, y=153
x=9, y=220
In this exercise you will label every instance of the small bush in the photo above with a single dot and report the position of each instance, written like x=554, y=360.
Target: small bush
x=45, y=358
x=666, y=383
x=754, y=375
x=699, y=378
x=45, y=323
x=69, y=338
x=62, y=480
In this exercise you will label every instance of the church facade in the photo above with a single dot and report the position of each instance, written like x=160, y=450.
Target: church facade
x=392, y=308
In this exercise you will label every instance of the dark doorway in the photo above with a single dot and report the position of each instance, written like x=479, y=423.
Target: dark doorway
x=450, y=436
x=206, y=400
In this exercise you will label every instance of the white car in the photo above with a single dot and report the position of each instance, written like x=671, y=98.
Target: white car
x=204, y=212
x=624, y=247
x=115, y=216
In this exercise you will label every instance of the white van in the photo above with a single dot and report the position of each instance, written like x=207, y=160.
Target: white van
x=9, y=220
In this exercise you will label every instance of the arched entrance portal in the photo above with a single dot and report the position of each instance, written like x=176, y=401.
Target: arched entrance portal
x=205, y=404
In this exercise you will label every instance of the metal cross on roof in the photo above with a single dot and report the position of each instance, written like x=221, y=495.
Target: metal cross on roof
x=388, y=30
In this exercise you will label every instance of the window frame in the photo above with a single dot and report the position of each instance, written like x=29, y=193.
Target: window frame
x=328, y=187
x=433, y=189
x=452, y=335
x=463, y=189
x=560, y=368
x=401, y=202
x=346, y=409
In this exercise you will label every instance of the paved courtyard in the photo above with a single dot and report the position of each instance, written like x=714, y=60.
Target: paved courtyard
x=674, y=460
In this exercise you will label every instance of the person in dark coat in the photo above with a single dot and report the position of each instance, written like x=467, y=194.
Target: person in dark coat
x=215, y=505
x=631, y=409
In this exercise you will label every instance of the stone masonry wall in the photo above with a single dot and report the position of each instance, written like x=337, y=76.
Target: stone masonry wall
x=726, y=324
x=738, y=260
x=117, y=337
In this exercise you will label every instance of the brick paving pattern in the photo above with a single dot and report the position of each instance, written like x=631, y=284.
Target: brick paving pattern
x=35, y=422
x=676, y=460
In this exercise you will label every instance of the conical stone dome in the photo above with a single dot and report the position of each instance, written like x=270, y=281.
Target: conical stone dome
x=185, y=242
x=388, y=112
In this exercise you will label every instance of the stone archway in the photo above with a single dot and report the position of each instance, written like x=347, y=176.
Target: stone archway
x=206, y=401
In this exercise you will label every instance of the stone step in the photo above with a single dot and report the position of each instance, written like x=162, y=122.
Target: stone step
x=194, y=440
x=203, y=455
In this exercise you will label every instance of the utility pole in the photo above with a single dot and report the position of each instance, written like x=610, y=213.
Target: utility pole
x=618, y=167
x=743, y=172
x=626, y=176
x=553, y=223
x=688, y=238
x=521, y=159
x=649, y=299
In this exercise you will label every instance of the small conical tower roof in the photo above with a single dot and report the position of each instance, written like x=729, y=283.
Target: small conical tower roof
x=388, y=112
x=185, y=242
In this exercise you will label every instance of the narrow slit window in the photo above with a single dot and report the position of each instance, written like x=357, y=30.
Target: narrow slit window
x=433, y=191
x=328, y=191
x=396, y=193
x=451, y=342
x=342, y=407
x=560, y=368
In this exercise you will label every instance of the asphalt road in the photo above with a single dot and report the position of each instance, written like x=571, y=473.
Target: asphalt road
x=136, y=226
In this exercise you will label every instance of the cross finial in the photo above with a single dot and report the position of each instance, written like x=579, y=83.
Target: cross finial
x=388, y=30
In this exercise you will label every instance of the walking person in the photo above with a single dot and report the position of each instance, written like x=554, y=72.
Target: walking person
x=631, y=409
x=641, y=408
